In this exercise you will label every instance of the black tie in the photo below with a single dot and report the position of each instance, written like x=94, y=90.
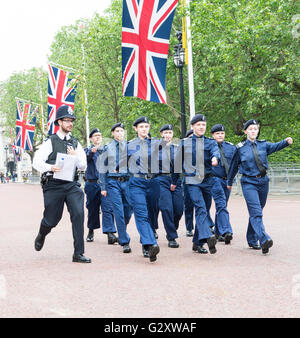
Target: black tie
x=223, y=159
x=258, y=161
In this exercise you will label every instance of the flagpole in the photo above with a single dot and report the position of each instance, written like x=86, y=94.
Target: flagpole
x=190, y=63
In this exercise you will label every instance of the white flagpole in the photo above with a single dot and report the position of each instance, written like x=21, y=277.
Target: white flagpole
x=190, y=63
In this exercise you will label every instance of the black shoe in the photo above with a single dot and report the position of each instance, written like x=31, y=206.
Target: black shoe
x=189, y=233
x=153, y=251
x=173, y=244
x=266, y=246
x=199, y=248
x=220, y=238
x=212, y=230
x=126, y=248
x=39, y=242
x=111, y=238
x=145, y=252
x=155, y=234
x=227, y=237
x=90, y=236
x=254, y=246
x=81, y=259
x=211, y=242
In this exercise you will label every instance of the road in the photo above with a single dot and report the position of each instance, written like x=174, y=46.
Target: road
x=235, y=282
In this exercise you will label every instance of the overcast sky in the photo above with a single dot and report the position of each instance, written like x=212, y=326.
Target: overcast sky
x=28, y=27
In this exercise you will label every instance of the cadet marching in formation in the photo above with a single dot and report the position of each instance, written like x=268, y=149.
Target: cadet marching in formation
x=146, y=176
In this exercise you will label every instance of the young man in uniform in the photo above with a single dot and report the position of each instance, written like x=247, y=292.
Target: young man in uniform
x=114, y=177
x=94, y=198
x=139, y=154
x=57, y=192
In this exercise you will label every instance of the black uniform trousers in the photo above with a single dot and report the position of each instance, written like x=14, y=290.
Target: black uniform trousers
x=56, y=194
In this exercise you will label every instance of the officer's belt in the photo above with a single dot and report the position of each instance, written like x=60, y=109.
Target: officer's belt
x=223, y=178
x=145, y=176
x=120, y=178
x=205, y=176
x=257, y=176
x=163, y=174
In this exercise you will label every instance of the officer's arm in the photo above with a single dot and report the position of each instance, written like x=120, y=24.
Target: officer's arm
x=102, y=167
x=273, y=147
x=214, y=153
x=234, y=167
x=81, y=157
x=41, y=156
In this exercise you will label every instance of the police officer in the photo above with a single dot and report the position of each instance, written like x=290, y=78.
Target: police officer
x=170, y=195
x=113, y=169
x=250, y=158
x=58, y=192
x=92, y=189
x=196, y=155
x=140, y=187
x=220, y=171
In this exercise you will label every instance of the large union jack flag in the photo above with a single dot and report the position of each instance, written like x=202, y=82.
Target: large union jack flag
x=60, y=92
x=25, y=126
x=145, y=43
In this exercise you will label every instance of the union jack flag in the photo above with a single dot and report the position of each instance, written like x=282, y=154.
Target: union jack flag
x=25, y=126
x=17, y=151
x=60, y=92
x=145, y=44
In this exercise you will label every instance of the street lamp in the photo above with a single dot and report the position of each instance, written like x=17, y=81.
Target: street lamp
x=179, y=61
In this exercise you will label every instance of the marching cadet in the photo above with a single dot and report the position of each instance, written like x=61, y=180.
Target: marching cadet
x=196, y=156
x=188, y=204
x=57, y=192
x=113, y=169
x=250, y=158
x=140, y=185
x=94, y=199
x=170, y=196
x=220, y=171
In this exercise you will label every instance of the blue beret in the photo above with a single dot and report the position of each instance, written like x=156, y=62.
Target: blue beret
x=197, y=118
x=95, y=130
x=189, y=133
x=117, y=125
x=249, y=122
x=166, y=127
x=217, y=127
x=142, y=119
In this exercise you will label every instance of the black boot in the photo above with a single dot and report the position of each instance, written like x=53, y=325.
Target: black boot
x=90, y=236
x=111, y=238
x=40, y=239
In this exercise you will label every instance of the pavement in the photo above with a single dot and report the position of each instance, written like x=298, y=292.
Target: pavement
x=236, y=282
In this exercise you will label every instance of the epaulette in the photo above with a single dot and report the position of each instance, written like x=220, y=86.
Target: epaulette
x=261, y=140
x=240, y=145
x=229, y=143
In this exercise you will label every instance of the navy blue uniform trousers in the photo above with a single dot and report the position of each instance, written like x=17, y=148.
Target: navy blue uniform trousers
x=118, y=192
x=255, y=192
x=171, y=205
x=140, y=197
x=56, y=194
x=94, y=200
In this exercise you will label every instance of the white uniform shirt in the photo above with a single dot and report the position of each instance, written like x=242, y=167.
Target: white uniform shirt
x=42, y=154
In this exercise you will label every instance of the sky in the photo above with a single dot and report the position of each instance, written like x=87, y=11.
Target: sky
x=28, y=27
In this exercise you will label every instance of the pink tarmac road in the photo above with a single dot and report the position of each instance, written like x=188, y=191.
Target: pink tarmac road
x=235, y=282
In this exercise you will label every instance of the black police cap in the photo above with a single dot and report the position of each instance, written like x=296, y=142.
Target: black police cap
x=217, y=127
x=117, y=125
x=249, y=122
x=197, y=118
x=95, y=130
x=142, y=119
x=189, y=133
x=62, y=112
x=166, y=127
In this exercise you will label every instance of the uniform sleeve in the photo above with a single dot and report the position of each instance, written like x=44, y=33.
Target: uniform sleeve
x=273, y=147
x=214, y=150
x=41, y=156
x=101, y=165
x=89, y=154
x=81, y=158
x=178, y=161
x=234, y=167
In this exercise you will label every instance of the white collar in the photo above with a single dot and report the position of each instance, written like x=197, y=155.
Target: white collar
x=62, y=136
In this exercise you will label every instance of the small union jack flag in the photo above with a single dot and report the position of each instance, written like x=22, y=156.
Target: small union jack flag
x=17, y=151
x=25, y=126
x=146, y=31
x=60, y=92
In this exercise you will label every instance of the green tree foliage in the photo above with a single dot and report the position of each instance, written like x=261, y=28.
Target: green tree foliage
x=246, y=65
